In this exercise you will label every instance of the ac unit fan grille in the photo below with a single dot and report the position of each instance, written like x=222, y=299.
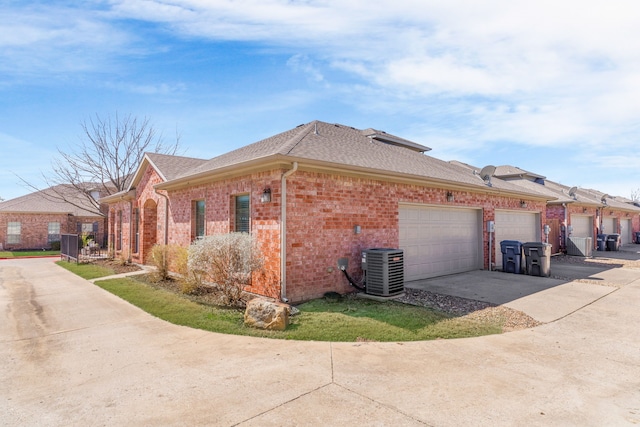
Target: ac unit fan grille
x=385, y=272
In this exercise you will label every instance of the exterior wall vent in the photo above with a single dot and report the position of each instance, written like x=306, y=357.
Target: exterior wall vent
x=384, y=269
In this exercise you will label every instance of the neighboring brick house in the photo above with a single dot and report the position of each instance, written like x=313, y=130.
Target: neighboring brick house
x=36, y=220
x=577, y=212
x=320, y=192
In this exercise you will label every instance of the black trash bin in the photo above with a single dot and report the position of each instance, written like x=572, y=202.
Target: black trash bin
x=602, y=242
x=511, y=256
x=613, y=242
x=537, y=258
x=637, y=237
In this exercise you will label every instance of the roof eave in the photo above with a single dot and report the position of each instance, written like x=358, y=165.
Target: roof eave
x=280, y=161
x=120, y=196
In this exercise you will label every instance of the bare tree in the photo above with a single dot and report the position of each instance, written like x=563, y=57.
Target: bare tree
x=108, y=154
x=635, y=195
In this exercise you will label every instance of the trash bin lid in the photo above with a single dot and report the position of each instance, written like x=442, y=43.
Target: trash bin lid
x=535, y=245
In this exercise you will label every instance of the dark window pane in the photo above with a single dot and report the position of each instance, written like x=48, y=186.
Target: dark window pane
x=199, y=218
x=242, y=214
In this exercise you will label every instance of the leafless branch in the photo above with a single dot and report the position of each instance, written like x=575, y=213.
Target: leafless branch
x=102, y=162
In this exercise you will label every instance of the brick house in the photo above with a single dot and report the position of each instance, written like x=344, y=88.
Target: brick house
x=36, y=220
x=577, y=212
x=320, y=192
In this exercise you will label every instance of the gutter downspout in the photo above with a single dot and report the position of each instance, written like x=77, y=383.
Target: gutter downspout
x=283, y=231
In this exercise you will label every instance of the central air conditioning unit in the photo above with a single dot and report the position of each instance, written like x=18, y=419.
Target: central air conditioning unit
x=384, y=271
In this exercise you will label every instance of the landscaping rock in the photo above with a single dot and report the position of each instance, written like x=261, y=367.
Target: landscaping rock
x=263, y=314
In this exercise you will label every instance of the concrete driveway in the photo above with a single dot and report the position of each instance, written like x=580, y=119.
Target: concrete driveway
x=73, y=354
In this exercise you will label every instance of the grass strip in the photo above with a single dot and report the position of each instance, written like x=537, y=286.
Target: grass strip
x=86, y=271
x=346, y=319
x=20, y=254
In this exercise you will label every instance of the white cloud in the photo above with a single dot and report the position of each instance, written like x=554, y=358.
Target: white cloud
x=543, y=74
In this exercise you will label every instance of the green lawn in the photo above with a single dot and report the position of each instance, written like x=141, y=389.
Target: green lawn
x=86, y=271
x=18, y=254
x=348, y=319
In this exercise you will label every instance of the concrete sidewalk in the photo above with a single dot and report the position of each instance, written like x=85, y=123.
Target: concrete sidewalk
x=75, y=355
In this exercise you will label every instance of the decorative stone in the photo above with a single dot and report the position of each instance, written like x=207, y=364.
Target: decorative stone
x=263, y=314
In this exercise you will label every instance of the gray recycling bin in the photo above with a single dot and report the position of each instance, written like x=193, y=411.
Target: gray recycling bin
x=613, y=242
x=538, y=258
x=602, y=242
x=511, y=256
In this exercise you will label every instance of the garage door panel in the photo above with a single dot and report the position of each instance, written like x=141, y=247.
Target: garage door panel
x=608, y=226
x=520, y=226
x=582, y=226
x=439, y=241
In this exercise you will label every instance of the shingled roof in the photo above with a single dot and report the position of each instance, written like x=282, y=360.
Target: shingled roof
x=170, y=167
x=48, y=201
x=343, y=147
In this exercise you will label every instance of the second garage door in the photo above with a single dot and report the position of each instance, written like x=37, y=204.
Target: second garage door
x=521, y=226
x=439, y=241
x=582, y=226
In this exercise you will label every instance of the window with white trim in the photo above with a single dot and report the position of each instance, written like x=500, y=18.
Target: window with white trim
x=53, y=232
x=14, y=229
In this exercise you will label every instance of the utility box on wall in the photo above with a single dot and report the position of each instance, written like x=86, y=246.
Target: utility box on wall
x=384, y=270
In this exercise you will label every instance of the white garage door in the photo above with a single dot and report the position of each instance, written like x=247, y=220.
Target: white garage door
x=439, y=241
x=582, y=226
x=625, y=231
x=521, y=226
x=608, y=226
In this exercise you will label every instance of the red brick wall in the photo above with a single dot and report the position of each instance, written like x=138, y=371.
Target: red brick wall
x=114, y=229
x=323, y=209
x=219, y=218
x=34, y=228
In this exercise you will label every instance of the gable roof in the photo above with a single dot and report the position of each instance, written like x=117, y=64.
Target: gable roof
x=334, y=146
x=46, y=201
x=167, y=166
x=170, y=167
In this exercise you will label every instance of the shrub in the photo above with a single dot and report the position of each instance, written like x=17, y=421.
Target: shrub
x=55, y=245
x=160, y=259
x=226, y=260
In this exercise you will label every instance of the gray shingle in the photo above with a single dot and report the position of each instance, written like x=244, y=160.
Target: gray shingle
x=46, y=201
x=350, y=148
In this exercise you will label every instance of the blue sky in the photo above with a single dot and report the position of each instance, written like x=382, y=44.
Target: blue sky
x=551, y=87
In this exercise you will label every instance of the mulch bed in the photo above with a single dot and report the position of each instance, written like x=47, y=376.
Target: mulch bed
x=116, y=265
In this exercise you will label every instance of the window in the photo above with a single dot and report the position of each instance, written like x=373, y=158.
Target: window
x=136, y=230
x=119, y=231
x=242, y=214
x=198, y=219
x=87, y=228
x=13, y=232
x=53, y=232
